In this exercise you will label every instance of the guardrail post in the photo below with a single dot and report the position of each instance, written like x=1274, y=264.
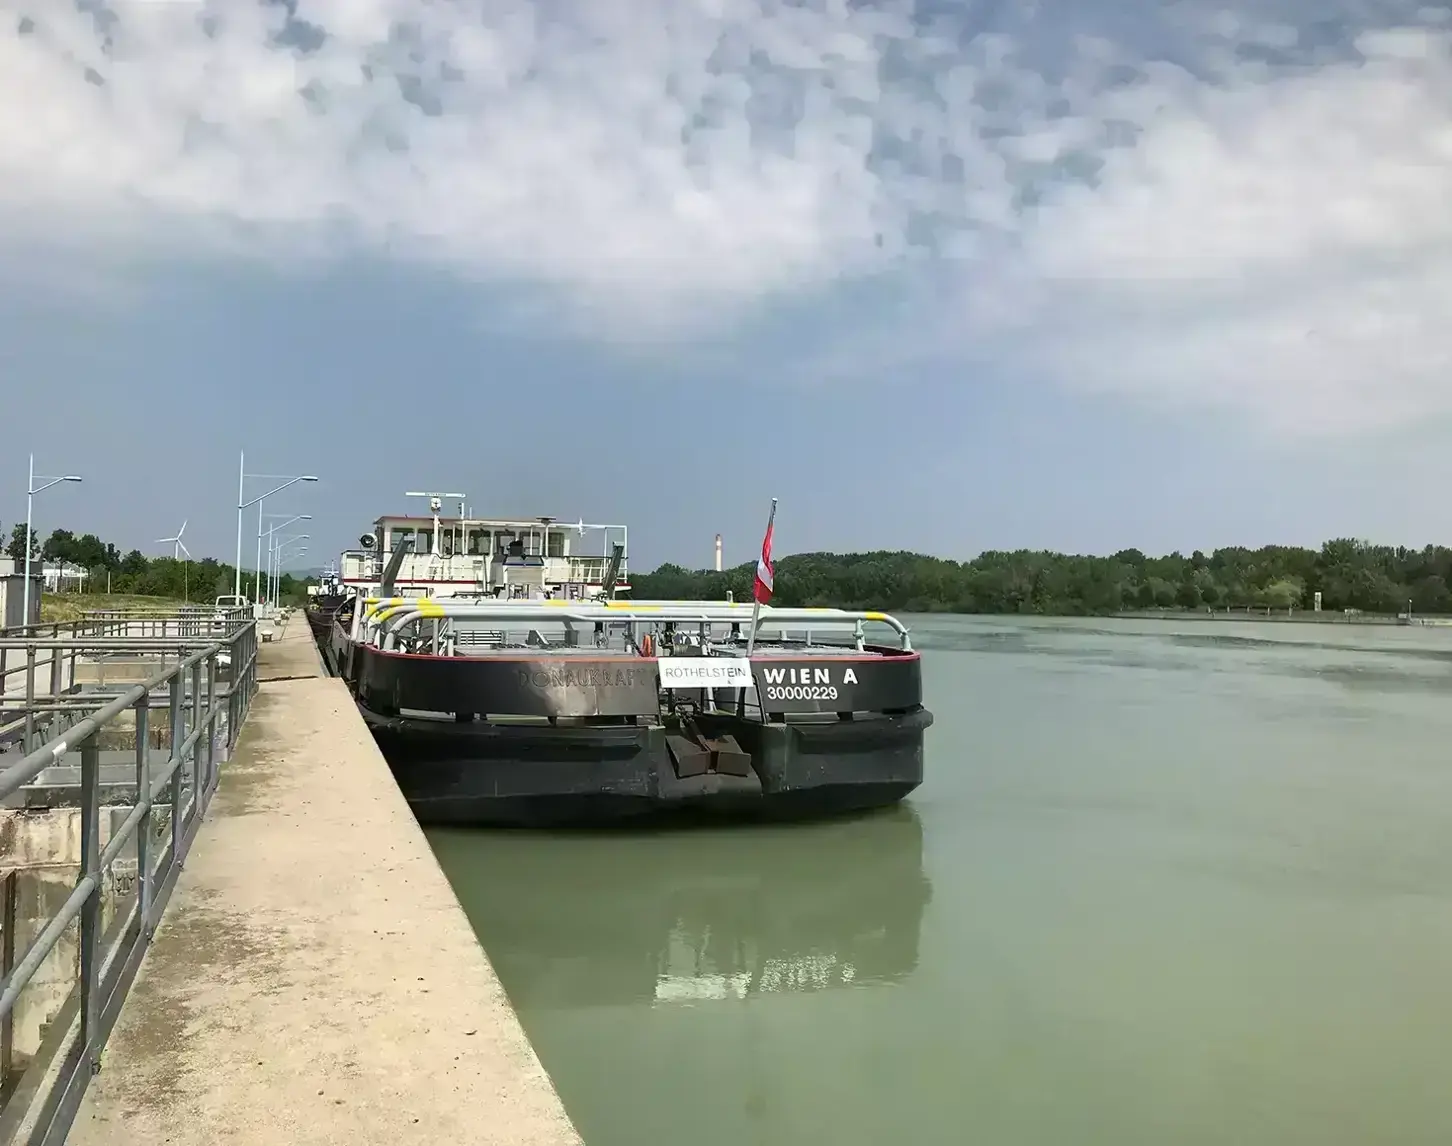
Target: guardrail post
x=91, y=909
x=29, y=699
x=197, y=726
x=143, y=829
x=178, y=736
x=7, y=964
x=234, y=694
x=210, y=775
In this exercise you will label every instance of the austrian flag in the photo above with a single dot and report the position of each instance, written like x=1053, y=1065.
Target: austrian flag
x=761, y=587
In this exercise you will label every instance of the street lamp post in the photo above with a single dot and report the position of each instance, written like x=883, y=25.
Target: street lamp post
x=300, y=553
x=277, y=565
x=31, y=489
x=274, y=551
x=271, y=529
x=275, y=562
x=257, y=501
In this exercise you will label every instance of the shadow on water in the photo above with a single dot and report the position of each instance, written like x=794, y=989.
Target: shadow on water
x=1369, y=679
x=1359, y=648
x=673, y=916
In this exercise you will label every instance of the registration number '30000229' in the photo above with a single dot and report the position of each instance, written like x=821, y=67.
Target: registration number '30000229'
x=801, y=692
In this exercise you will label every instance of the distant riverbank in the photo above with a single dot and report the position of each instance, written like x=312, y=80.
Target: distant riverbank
x=1376, y=582
x=1297, y=616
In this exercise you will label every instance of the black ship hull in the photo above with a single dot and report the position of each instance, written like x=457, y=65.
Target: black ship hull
x=321, y=612
x=545, y=741
x=533, y=776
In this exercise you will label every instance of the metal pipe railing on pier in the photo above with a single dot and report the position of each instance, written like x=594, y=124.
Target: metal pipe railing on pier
x=204, y=720
x=39, y=663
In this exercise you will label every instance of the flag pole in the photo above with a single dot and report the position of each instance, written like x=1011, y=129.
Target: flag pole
x=755, y=599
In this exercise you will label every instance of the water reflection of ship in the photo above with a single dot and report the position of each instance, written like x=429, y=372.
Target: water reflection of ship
x=572, y=920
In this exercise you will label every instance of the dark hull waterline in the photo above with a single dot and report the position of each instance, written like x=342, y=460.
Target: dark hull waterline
x=548, y=777
x=537, y=740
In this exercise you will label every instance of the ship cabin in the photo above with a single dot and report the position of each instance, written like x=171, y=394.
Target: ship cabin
x=493, y=556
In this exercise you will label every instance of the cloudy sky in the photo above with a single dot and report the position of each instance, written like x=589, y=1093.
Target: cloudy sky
x=1080, y=274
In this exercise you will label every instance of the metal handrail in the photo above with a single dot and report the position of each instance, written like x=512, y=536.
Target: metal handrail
x=43, y=1104
x=623, y=610
x=65, y=642
x=394, y=618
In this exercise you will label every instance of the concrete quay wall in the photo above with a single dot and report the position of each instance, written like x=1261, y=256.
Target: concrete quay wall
x=314, y=980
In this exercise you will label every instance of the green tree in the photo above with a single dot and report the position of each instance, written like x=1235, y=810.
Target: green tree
x=201, y=579
x=15, y=548
x=1282, y=594
x=1349, y=573
x=59, y=546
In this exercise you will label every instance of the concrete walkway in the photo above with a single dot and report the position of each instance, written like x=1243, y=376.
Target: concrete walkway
x=314, y=979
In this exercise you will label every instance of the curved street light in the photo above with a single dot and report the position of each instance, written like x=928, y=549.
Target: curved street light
x=276, y=571
x=257, y=501
x=257, y=583
x=31, y=489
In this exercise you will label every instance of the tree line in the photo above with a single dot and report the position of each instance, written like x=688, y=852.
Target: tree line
x=133, y=572
x=1349, y=574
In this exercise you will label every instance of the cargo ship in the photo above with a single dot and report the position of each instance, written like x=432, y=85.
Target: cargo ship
x=508, y=682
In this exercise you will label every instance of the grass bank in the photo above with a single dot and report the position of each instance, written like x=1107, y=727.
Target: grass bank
x=71, y=606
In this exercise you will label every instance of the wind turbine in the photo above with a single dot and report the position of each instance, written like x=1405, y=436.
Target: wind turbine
x=178, y=547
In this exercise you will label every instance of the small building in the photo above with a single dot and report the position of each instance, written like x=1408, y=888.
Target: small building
x=63, y=577
x=12, y=601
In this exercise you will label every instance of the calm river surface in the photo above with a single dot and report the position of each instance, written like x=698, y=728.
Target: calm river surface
x=1184, y=883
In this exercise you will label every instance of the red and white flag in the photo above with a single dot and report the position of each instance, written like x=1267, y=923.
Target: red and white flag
x=761, y=587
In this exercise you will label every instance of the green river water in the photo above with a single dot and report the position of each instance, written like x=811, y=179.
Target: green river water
x=1165, y=883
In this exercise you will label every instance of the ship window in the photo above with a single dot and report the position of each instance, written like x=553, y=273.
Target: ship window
x=446, y=542
x=478, y=542
x=554, y=544
x=399, y=534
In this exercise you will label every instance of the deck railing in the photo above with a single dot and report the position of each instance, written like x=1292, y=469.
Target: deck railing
x=205, y=684
x=384, y=619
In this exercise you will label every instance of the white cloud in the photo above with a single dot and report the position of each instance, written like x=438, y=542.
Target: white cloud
x=1278, y=244
x=1263, y=233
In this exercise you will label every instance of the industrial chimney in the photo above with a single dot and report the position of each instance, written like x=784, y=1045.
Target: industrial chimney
x=718, y=553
